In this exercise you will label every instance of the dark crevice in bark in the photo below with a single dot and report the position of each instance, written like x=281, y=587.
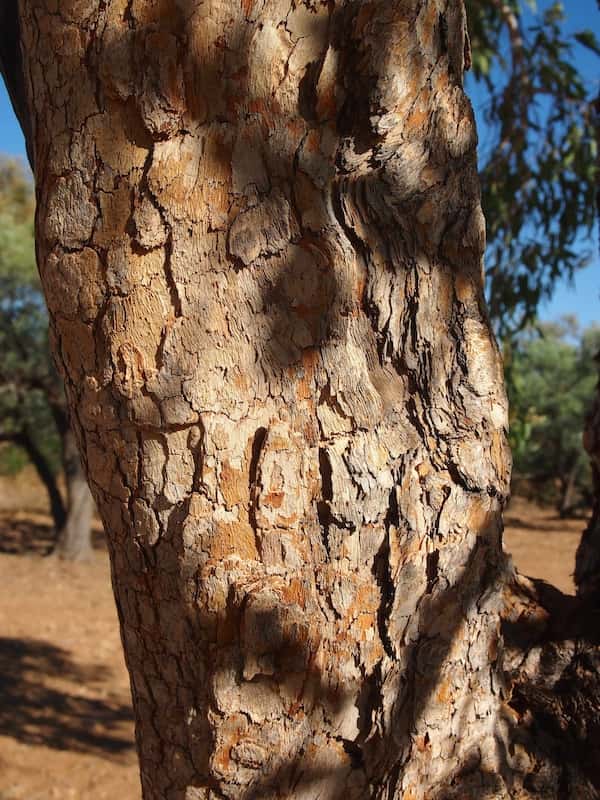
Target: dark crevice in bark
x=355, y=752
x=323, y=506
x=173, y=290
x=433, y=560
x=326, y=475
x=384, y=578
x=258, y=442
x=307, y=92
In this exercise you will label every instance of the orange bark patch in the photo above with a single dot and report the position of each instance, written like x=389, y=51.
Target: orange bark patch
x=273, y=499
x=442, y=81
x=498, y=450
x=423, y=469
x=313, y=141
x=366, y=622
x=287, y=522
x=233, y=538
x=294, y=593
x=429, y=25
x=304, y=391
x=360, y=286
x=278, y=443
x=416, y=120
x=241, y=381
x=234, y=485
x=327, y=106
x=444, y=694
x=247, y=6
x=310, y=359
x=257, y=107
x=295, y=127
x=479, y=517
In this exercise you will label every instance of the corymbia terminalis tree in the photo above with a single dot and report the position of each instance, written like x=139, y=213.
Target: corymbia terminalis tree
x=260, y=239
x=33, y=409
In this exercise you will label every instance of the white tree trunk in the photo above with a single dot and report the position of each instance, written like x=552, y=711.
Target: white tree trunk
x=260, y=240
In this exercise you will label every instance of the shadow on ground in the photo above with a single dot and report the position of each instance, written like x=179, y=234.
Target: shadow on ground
x=34, y=534
x=35, y=713
x=541, y=523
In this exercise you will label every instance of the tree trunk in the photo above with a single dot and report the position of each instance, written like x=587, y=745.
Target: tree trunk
x=567, y=494
x=24, y=439
x=587, y=561
x=74, y=540
x=260, y=240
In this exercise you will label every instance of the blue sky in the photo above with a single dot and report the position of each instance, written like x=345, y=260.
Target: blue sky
x=583, y=296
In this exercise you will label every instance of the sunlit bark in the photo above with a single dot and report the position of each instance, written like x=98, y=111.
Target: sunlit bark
x=260, y=240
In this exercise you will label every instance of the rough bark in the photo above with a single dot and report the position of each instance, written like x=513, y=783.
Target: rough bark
x=260, y=240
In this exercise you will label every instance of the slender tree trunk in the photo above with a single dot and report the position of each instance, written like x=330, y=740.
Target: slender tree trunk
x=260, y=240
x=74, y=540
x=57, y=507
x=567, y=497
x=587, y=562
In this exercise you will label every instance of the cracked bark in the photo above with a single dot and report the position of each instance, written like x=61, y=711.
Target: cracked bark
x=260, y=240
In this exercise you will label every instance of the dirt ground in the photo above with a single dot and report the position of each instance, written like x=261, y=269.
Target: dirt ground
x=66, y=728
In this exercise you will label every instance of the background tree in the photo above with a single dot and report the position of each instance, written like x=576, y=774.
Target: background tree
x=32, y=403
x=551, y=382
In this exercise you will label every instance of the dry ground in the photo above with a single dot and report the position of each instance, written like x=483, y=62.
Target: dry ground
x=66, y=727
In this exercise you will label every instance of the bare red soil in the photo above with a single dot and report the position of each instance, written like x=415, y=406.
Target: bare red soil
x=66, y=727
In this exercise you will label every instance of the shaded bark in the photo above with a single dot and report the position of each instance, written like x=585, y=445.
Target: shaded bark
x=260, y=240
x=552, y=670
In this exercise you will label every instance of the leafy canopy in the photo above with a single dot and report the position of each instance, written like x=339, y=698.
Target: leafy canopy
x=539, y=159
x=26, y=371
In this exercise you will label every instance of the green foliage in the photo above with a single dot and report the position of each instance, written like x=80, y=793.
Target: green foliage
x=12, y=459
x=538, y=165
x=26, y=372
x=551, y=379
